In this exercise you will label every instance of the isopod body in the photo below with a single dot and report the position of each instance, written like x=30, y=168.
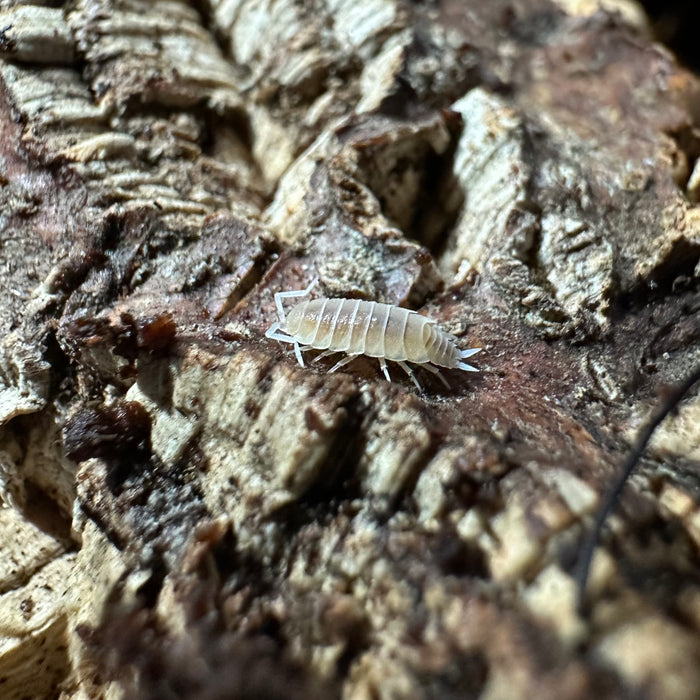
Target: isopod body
x=358, y=327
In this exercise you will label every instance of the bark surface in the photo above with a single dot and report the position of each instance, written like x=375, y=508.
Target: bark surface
x=189, y=513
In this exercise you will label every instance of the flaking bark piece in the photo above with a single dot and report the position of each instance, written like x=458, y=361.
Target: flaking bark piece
x=394, y=544
x=35, y=34
x=257, y=457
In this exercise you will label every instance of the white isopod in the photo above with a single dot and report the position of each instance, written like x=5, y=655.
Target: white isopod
x=368, y=328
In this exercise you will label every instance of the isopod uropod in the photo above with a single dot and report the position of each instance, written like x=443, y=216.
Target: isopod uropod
x=370, y=328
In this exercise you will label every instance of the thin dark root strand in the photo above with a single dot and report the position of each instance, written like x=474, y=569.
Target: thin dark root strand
x=613, y=492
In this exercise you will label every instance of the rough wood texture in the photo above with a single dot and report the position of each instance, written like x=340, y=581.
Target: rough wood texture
x=192, y=515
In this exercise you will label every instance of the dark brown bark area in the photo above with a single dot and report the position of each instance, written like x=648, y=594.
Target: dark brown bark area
x=193, y=515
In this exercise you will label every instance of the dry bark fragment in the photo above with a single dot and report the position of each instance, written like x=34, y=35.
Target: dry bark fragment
x=522, y=172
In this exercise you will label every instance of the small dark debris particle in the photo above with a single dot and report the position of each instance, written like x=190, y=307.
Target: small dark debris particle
x=347, y=622
x=252, y=408
x=463, y=677
x=156, y=334
x=127, y=338
x=6, y=43
x=27, y=608
x=457, y=558
x=84, y=331
x=313, y=421
x=108, y=432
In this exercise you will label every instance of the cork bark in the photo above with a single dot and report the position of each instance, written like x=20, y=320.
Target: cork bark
x=191, y=514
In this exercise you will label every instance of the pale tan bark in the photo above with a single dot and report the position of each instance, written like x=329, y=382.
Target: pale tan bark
x=188, y=508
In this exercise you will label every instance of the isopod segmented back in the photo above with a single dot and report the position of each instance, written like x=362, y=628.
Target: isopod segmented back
x=361, y=327
x=358, y=327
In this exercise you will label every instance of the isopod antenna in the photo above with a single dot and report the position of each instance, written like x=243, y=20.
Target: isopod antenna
x=673, y=398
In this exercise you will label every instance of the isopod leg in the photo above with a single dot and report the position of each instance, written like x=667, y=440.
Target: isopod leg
x=279, y=296
x=382, y=364
x=466, y=367
x=270, y=332
x=324, y=354
x=409, y=372
x=340, y=363
x=436, y=372
x=277, y=334
x=297, y=352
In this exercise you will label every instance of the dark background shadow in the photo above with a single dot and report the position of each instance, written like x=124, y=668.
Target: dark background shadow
x=676, y=24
